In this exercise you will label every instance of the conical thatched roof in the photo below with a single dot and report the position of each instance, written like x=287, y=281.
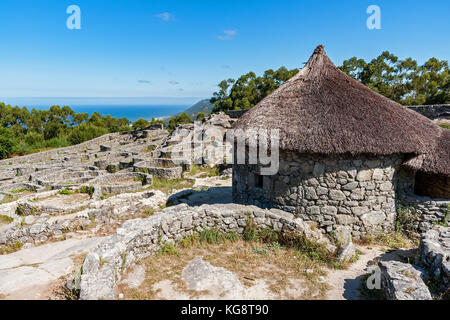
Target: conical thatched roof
x=322, y=110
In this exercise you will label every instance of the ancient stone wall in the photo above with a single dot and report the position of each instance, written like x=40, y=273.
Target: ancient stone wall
x=422, y=213
x=357, y=193
x=45, y=155
x=140, y=238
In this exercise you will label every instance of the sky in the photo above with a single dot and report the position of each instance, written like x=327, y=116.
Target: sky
x=183, y=49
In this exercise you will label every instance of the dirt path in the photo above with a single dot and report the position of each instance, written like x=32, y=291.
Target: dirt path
x=345, y=284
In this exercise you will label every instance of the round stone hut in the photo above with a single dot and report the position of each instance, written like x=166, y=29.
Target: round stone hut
x=342, y=150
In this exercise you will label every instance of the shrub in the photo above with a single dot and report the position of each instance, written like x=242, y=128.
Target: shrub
x=6, y=147
x=85, y=132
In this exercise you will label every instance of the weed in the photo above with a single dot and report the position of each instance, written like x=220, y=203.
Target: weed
x=16, y=246
x=66, y=191
x=5, y=219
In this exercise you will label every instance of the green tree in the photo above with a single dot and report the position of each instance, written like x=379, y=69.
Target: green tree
x=182, y=118
x=403, y=81
x=245, y=92
x=140, y=124
x=200, y=116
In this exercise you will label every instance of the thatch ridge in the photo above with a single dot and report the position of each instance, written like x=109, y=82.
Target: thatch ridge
x=324, y=111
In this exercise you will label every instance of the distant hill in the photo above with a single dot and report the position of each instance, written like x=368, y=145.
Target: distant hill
x=202, y=106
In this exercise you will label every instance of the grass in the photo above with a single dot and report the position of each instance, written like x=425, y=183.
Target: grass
x=4, y=219
x=282, y=269
x=444, y=125
x=204, y=172
x=16, y=246
x=149, y=149
x=8, y=198
x=168, y=186
x=66, y=191
x=148, y=212
x=18, y=191
x=445, y=221
x=393, y=240
x=87, y=190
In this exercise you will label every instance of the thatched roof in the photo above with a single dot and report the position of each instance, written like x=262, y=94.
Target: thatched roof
x=322, y=110
x=437, y=160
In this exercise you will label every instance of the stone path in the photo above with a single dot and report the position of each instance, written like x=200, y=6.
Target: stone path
x=28, y=273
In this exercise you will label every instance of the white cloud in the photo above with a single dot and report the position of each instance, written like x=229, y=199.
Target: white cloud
x=228, y=35
x=165, y=16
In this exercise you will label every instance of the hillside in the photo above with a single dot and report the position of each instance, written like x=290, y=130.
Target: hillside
x=202, y=106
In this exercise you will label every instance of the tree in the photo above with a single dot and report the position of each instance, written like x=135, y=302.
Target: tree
x=200, y=116
x=140, y=124
x=403, y=81
x=7, y=143
x=249, y=89
x=182, y=118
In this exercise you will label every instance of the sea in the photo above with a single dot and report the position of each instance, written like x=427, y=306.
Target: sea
x=130, y=108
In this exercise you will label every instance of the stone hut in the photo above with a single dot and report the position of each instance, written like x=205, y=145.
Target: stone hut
x=342, y=151
x=432, y=170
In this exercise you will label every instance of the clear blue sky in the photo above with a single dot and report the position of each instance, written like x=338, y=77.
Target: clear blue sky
x=143, y=48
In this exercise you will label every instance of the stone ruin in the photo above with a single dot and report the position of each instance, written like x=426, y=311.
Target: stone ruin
x=103, y=188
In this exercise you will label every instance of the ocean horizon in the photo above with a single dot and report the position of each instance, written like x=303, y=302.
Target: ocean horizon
x=130, y=108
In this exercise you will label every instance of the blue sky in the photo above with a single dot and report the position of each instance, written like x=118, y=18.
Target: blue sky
x=182, y=49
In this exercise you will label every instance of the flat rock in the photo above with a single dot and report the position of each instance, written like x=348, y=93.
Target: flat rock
x=202, y=276
x=26, y=274
x=402, y=281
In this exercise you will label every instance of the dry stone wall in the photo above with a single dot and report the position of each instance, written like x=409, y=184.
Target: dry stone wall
x=335, y=192
x=140, y=238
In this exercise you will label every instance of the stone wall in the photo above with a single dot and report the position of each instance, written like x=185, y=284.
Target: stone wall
x=45, y=155
x=357, y=193
x=435, y=256
x=140, y=238
x=422, y=213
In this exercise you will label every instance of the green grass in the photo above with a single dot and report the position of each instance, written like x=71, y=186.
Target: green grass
x=18, y=191
x=87, y=190
x=149, y=212
x=445, y=221
x=204, y=172
x=169, y=249
x=444, y=125
x=66, y=191
x=149, y=149
x=8, y=198
x=4, y=219
x=16, y=246
x=168, y=186
x=275, y=240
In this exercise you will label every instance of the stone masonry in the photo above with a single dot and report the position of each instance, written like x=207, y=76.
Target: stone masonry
x=333, y=191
